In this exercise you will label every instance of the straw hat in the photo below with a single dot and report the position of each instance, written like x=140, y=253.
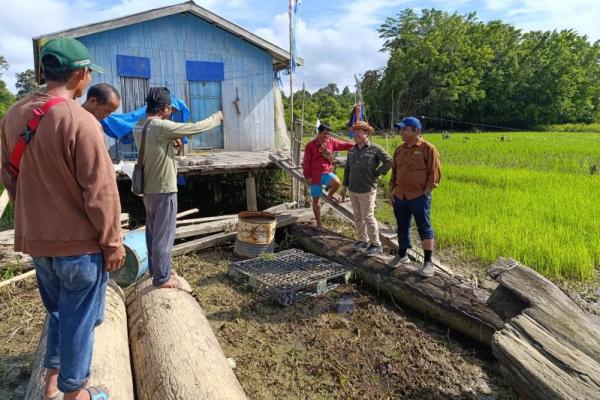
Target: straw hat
x=364, y=126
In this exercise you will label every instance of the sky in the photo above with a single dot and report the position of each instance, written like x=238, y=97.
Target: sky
x=337, y=39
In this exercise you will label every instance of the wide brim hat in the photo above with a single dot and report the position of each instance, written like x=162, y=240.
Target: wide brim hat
x=363, y=126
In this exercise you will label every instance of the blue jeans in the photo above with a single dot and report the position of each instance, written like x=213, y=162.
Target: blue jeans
x=73, y=290
x=404, y=210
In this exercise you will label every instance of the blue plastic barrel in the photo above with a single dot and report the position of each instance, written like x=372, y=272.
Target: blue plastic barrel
x=136, y=259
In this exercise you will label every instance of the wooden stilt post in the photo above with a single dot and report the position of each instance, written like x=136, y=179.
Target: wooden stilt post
x=297, y=186
x=218, y=192
x=251, y=192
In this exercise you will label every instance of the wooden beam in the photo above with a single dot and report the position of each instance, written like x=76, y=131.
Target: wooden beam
x=205, y=219
x=187, y=213
x=17, y=278
x=251, y=193
x=205, y=228
x=448, y=299
x=4, y=200
x=217, y=192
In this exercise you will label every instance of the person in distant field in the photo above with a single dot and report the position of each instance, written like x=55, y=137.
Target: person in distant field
x=415, y=173
x=160, y=180
x=365, y=164
x=317, y=166
x=102, y=100
x=67, y=215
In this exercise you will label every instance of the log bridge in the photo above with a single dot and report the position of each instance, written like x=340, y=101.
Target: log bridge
x=546, y=345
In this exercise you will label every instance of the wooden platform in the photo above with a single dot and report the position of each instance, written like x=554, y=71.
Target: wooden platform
x=213, y=163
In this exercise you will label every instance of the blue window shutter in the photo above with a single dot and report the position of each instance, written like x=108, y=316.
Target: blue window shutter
x=133, y=67
x=204, y=71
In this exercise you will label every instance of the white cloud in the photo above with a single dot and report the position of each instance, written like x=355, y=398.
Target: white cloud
x=335, y=47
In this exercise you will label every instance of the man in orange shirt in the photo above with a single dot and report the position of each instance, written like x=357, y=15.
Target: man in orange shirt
x=415, y=173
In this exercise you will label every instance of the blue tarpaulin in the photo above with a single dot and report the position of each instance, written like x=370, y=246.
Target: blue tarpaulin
x=120, y=126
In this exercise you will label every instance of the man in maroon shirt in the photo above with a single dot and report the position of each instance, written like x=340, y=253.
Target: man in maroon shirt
x=318, y=166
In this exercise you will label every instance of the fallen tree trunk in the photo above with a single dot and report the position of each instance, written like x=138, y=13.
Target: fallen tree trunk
x=550, y=348
x=175, y=353
x=448, y=299
x=110, y=363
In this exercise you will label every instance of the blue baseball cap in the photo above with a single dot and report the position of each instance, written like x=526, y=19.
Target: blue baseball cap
x=408, y=121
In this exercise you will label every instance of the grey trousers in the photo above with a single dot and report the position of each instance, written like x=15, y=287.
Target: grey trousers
x=161, y=217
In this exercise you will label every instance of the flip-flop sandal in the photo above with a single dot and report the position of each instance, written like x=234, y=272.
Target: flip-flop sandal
x=97, y=393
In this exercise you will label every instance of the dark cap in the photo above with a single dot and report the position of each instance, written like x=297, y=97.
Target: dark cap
x=324, y=127
x=408, y=121
x=71, y=55
x=157, y=98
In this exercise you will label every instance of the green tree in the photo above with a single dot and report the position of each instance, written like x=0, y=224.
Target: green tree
x=451, y=66
x=26, y=83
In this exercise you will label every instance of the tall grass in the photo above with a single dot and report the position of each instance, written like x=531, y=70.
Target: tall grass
x=529, y=196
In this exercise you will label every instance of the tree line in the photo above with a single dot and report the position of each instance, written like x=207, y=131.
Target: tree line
x=454, y=67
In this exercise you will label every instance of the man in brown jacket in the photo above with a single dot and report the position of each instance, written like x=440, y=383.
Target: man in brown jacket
x=67, y=213
x=415, y=173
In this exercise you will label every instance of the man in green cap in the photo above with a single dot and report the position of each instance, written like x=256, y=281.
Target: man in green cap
x=67, y=211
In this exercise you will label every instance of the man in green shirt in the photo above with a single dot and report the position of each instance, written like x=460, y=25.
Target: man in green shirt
x=160, y=179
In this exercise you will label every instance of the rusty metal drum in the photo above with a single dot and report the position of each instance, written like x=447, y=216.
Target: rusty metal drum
x=255, y=233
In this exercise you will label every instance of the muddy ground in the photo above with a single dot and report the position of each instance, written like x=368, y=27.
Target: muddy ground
x=347, y=344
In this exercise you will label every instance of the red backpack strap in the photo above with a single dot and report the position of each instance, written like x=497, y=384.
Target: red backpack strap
x=29, y=131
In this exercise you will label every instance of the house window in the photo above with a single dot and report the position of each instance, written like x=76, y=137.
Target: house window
x=134, y=73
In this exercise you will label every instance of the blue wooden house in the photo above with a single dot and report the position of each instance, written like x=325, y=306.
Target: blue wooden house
x=207, y=61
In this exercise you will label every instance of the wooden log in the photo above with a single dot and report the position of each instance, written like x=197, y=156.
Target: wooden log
x=205, y=219
x=110, y=363
x=4, y=200
x=175, y=353
x=124, y=220
x=7, y=237
x=251, y=203
x=205, y=228
x=187, y=213
x=549, y=348
x=17, y=278
x=449, y=299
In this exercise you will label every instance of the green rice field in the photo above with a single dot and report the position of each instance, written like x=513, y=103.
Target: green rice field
x=529, y=196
